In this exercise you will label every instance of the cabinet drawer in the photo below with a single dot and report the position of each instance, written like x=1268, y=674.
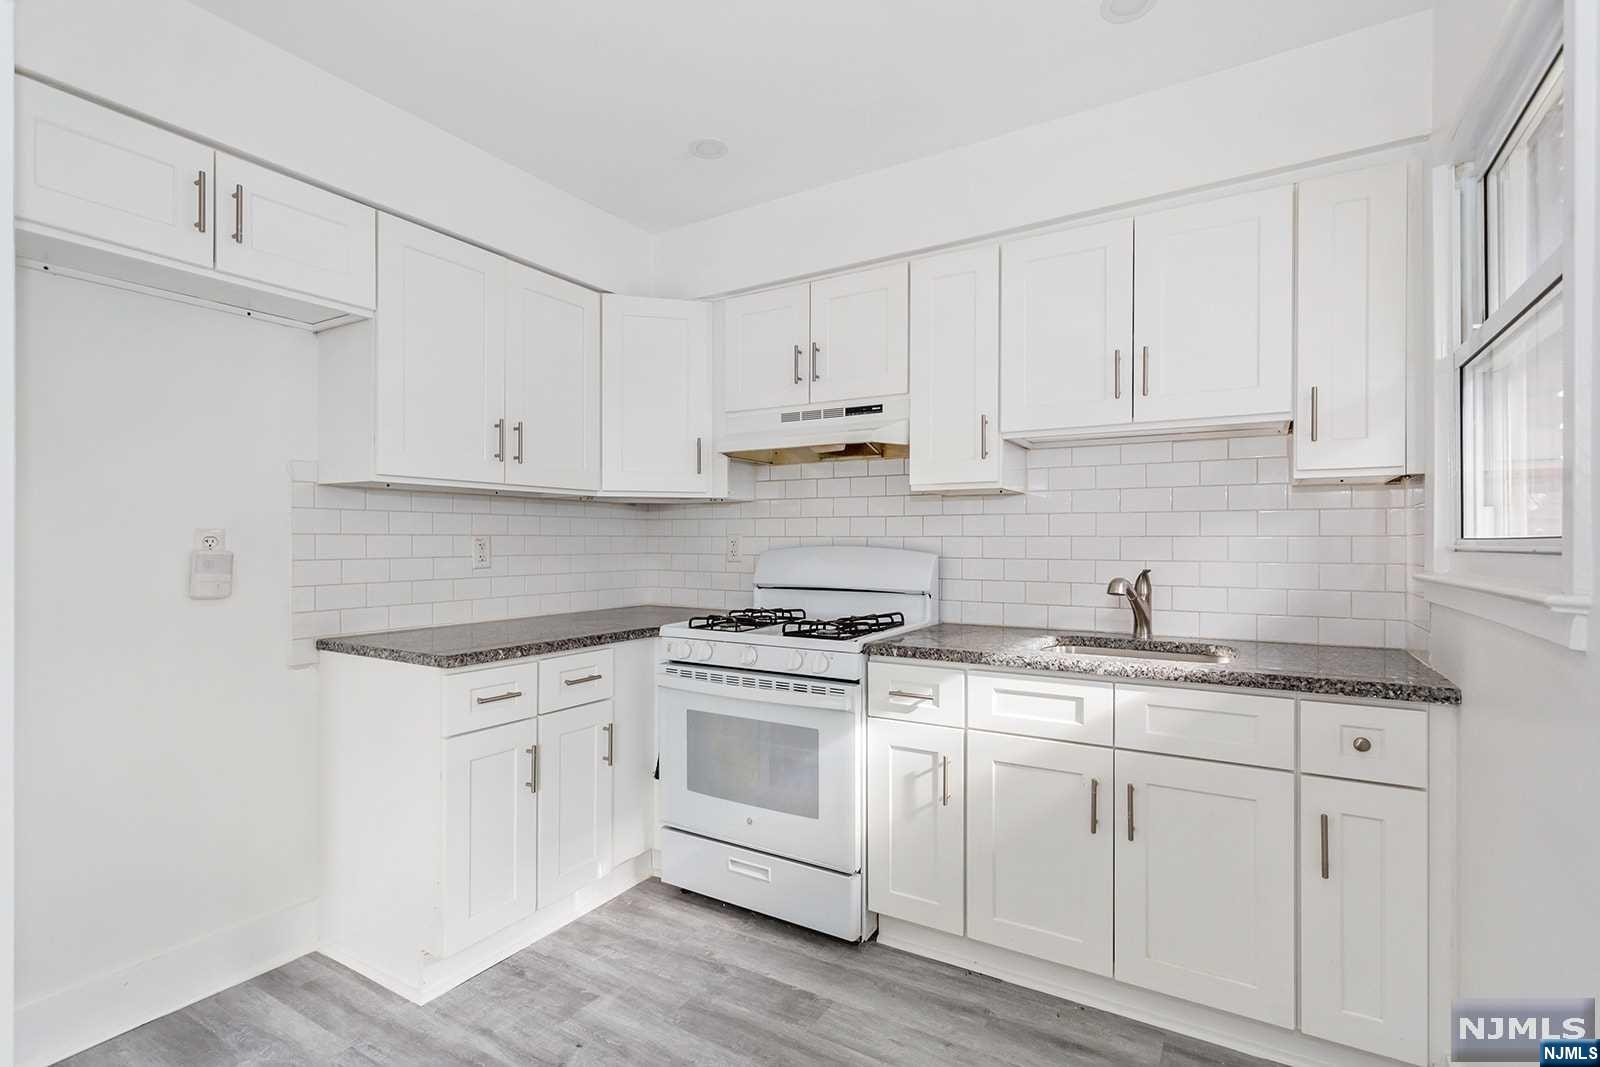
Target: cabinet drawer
x=474, y=700
x=567, y=681
x=1040, y=707
x=936, y=695
x=1368, y=744
x=1232, y=727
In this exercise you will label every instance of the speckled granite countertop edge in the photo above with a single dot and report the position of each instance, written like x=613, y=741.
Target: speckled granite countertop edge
x=353, y=647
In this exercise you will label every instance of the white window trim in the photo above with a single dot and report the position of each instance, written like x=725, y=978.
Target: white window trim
x=1539, y=586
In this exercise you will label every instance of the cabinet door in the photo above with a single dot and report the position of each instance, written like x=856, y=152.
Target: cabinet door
x=1214, y=309
x=490, y=833
x=955, y=368
x=575, y=756
x=858, y=335
x=84, y=169
x=552, y=382
x=656, y=389
x=915, y=805
x=273, y=229
x=634, y=749
x=1364, y=916
x=1350, y=402
x=1039, y=833
x=1066, y=333
x=441, y=356
x=767, y=349
x=1205, y=883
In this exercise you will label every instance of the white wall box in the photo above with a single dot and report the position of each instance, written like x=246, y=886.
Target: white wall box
x=656, y=375
x=102, y=193
x=1350, y=393
x=1364, y=916
x=456, y=835
x=1205, y=883
x=1039, y=848
x=916, y=803
x=955, y=378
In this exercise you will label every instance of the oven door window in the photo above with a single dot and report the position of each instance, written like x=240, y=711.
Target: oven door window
x=763, y=764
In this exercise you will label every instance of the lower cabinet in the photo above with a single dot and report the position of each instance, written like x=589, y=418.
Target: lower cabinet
x=491, y=816
x=1364, y=916
x=1205, y=883
x=576, y=754
x=915, y=822
x=1039, y=834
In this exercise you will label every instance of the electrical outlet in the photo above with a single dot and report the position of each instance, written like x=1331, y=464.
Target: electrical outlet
x=210, y=540
x=733, y=549
x=480, y=553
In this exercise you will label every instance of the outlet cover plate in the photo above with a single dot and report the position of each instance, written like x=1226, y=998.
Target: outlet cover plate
x=480, y=553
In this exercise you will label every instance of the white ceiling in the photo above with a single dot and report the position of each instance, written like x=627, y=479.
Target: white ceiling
x=602, y=97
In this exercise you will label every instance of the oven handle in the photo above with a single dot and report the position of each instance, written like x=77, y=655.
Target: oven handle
x=847, y=701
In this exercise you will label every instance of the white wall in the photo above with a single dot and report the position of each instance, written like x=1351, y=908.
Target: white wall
x=1339, y=96
x=166, y=754
x=8, y=456
x=190, y=69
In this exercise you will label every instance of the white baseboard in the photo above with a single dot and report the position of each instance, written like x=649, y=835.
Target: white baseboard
x=70, y=1020
x=1096, y=991
x=441, y=976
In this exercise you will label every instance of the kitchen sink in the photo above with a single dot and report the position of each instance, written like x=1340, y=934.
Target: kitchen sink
x=1128, y=648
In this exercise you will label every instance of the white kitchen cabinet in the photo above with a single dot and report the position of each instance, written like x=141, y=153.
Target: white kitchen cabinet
x=955, y=377
x=859, y=345
x=1039, y=848
x=491, y=828
x=633, y=745
x=1213, y=310
x=574, y=782
x=915, y=822
x=1205, y=889
x=1364, y=916
x=552, y=397
x=1350, y=393
x=1067, y=329
x=767, y=349
x=656, y=396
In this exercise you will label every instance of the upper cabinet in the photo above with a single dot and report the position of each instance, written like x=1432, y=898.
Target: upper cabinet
x=656, y=359
x=110, y=195
x=1350, y=396
x=841, y=338
x=552, y=381
x=955, y=377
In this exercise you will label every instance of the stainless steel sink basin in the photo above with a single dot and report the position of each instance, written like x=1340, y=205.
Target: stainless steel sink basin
x=1124, y=649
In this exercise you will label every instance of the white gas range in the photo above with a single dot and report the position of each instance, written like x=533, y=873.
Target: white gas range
x=763, y=732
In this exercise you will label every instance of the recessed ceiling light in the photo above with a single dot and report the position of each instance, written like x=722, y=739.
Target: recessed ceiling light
x=1124, y=10
x=708, y=148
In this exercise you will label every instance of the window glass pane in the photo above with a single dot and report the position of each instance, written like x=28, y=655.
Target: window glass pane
x=1526, y=192
x=1511, y=430
x=769, y=765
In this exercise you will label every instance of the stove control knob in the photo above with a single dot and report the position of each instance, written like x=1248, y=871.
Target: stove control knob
x=749, y=656
x=817, y=662
x=797, y=660
x=702, y=650
x=677, y=650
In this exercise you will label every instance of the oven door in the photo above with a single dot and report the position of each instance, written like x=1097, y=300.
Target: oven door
x=762, y=760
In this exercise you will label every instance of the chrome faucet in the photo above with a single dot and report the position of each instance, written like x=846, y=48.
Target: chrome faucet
x=1138, y=594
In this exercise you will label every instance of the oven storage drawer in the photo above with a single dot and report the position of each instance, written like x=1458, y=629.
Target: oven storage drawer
x=821, y=900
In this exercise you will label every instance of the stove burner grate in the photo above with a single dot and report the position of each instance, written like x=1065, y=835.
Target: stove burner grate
x=742, y=620
x=846, y=629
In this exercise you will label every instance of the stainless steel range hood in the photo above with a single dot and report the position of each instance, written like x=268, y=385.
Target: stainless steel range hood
x=876, y=430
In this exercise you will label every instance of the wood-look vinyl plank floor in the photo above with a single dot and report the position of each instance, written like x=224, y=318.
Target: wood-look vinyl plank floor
x=658, y=976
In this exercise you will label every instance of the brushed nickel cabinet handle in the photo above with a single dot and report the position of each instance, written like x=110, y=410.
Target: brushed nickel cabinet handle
x=533, y=768
x=983, y=437
x=1324, y=846
x=901, y=694
x=699, y=467
x=1130, y=813
x=1361, y=744
x=944, y=798
x=518, y=429
x=585, y=680
x=510, y=694
x=797, y=376
x=238, y=214
x=609, y=759
x=1144, y=385
x=1313, y=413
x=816, y=350
x=200, y=199
x=500, y=429
x=1094, y=805
x=1116, y=374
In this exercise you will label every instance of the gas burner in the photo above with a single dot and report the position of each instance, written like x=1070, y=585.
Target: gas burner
x=845, y=629
x=742, y=620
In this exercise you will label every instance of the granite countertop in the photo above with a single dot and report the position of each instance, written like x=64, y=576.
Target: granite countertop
x=1321, y=670
x=472, y=644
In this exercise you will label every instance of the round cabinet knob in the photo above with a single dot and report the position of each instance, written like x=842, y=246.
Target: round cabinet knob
x=797, y=660
x=1361, y=744
x=749, y=657
x=818, y=662
x=702, y=650
x=677, y=650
